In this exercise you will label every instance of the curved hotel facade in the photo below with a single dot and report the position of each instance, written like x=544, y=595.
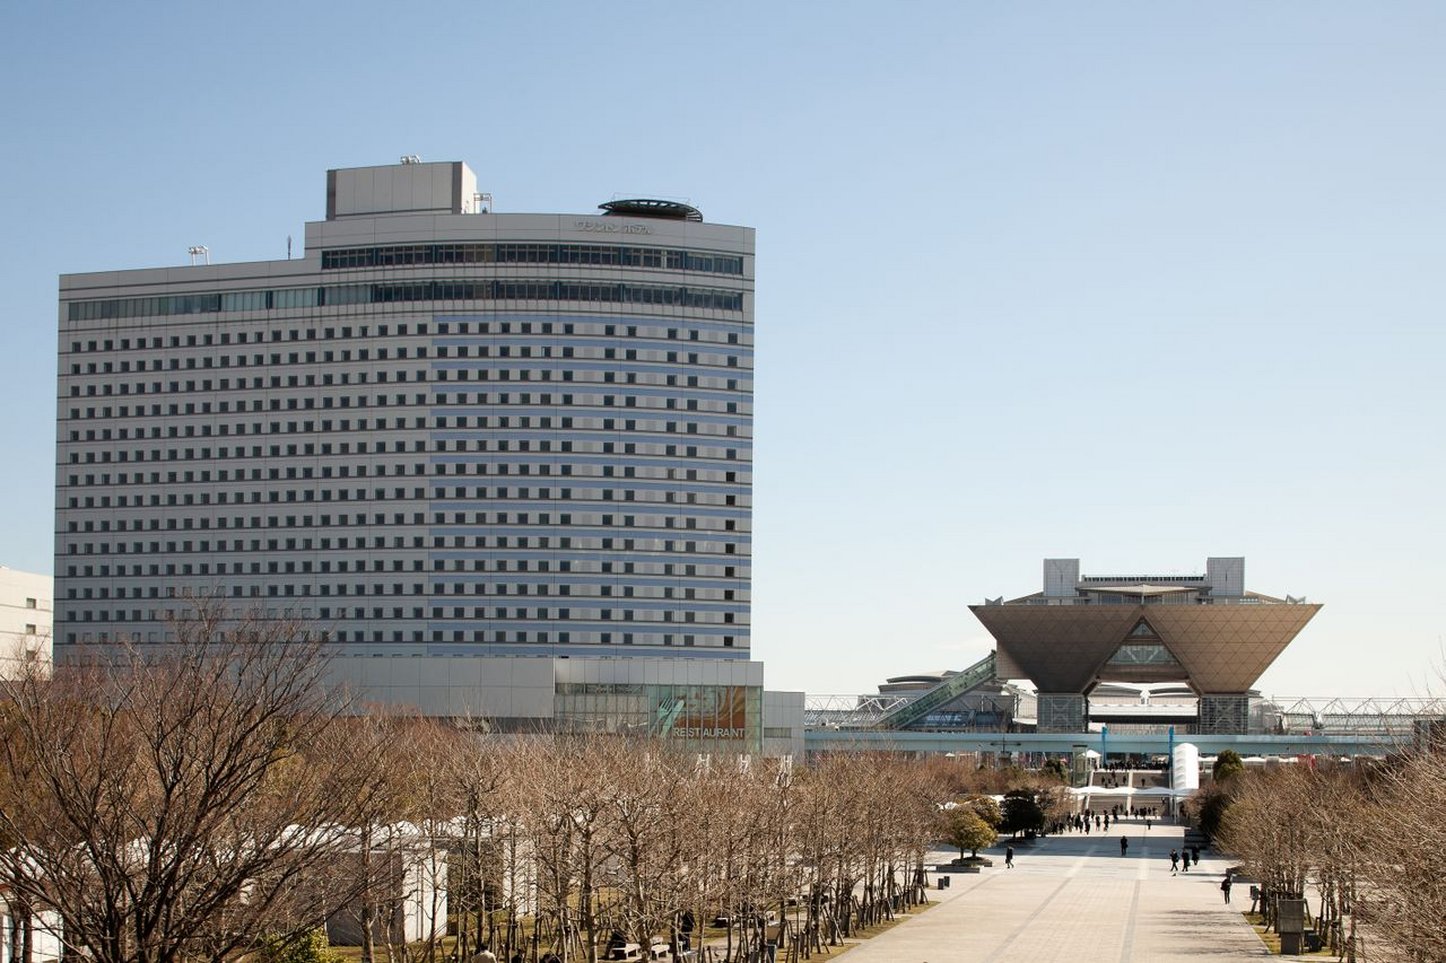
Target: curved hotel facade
x=504, y=460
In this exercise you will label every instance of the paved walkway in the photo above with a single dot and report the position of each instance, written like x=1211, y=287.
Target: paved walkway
x=1074, y=898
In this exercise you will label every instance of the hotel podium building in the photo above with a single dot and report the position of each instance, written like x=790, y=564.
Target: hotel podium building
x=1204, y=630
x=503, y=460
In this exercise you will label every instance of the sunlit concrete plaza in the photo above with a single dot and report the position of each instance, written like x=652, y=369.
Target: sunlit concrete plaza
x=1073, y=897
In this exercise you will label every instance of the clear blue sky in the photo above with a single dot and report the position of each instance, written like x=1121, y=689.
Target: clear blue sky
x=1138, y=283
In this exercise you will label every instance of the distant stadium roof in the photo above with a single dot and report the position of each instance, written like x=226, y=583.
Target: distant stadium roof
x=934, y=677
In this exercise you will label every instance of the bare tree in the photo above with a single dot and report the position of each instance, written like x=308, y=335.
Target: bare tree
x=166, y=803
x=1405, y=895
x=475, y=767
x=645, y=840
x=383, y=744
x=562, y=797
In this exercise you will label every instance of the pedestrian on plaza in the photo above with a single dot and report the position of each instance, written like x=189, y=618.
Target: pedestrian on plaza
x=1185, y=860
x=1147, y=824
x=1225, y=888
x=1107, y=822
x=1195, y=854
x=1124, y=845
x=1174, y=862
x=1008, y=857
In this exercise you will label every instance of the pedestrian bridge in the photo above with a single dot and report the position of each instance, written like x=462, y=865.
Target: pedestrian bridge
x=1107, y=743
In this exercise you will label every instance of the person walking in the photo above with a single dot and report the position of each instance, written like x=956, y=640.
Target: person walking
x=1195, y=855
x=1225, y=888
x=1008, y=857
x=1124, y=845
x=1184, y=860
x=1174, y=862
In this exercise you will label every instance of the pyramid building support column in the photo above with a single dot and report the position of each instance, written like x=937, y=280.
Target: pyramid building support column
x=1061, y=712
x=1225, y=713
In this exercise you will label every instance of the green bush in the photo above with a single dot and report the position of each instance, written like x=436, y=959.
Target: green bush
x=1021, y=812
x=963, y=828
x=985, y=808
x=308, y=947
x=1227, y=764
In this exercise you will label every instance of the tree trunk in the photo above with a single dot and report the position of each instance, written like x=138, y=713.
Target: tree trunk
x=368, y=915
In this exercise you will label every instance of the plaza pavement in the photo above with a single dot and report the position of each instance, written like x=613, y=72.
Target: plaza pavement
x=1073, y=897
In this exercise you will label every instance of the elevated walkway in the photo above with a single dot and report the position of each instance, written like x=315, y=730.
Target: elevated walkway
x=916, y=710
x=865, y=740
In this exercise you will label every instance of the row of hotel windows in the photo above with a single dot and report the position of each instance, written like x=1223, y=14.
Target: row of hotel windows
x=670, y=493
x=695, y=501
x=580, y=520
x=704, y=495
x=649, y=494
x=579, y=375
x=515, y=427
x=491, y=613
x=707, y=299
x=604, y=327
x=723, y=543
x=712, y=600
x=546, y=403
x=481, y=464
x=479, y=564
x=516, y=417
x=475, y=636
x=604, y=255
x=549, y=417
x=492, y=438
x=471, y=562
x=676, y=571
x=581, y=589
x=484, y=352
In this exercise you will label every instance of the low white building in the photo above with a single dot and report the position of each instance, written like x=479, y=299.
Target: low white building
x=41, y=931
x=26, y=603
x=410, y=890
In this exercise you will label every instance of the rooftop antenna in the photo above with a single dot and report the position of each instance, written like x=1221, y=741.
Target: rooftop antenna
x=411, y=159
x=288, y=247
x=199, y=250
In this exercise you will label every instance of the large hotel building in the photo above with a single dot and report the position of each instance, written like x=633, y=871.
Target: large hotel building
x=503, y=460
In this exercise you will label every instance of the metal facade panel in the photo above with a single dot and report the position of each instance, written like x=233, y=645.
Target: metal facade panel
x=1226, y=648
x=1059, y=647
